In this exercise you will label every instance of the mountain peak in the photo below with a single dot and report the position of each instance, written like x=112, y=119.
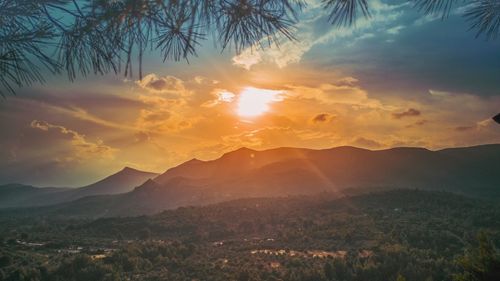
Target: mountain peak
x=409, y=149
x=194, y=161
x=244, y=149
x=348, y=148
x=129, y=169
x=240, y=151
x=123, y=181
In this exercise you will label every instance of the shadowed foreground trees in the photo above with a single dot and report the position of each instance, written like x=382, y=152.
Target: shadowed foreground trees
x=481, y=263
x=390, y=236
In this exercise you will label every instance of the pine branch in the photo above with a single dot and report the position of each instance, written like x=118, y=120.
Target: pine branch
x=98, y=36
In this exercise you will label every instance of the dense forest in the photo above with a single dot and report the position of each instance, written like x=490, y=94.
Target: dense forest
x=391, y=235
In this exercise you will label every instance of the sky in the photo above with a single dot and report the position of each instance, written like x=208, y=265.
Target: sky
x=396, y=79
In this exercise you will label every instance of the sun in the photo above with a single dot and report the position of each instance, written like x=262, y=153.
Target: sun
x=253, y=102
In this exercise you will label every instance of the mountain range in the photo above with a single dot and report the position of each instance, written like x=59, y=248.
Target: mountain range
x=18, y=195
x=282, y=172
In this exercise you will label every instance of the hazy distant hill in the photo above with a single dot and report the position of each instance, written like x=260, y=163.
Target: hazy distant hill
x=16, y=195
x=123, y=181
x=293, y=171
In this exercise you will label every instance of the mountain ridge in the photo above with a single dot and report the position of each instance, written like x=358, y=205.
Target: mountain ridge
x=288, y=171
x=19, y=195
x=285, y=172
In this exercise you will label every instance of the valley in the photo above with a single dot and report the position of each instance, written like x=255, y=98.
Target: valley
x=419, y=235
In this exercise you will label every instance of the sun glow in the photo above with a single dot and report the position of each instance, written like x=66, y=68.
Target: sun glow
x=254, y=102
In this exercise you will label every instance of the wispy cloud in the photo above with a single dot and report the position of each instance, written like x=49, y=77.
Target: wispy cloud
x=309, y=36
x=82, y=148
x=82, y=114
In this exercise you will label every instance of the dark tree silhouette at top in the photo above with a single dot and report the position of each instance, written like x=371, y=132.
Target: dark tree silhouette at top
x=79, y=37
x=497, y=118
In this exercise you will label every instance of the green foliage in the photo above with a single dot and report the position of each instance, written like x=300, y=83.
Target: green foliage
x=145, y=234
x=82, y=268
x=396, y=235
x=481, y=263
x=400, y=278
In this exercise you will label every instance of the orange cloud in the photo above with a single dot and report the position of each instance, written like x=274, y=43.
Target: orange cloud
x=408, y=113
x=220, y=96
x=322, y=118
x=167, y=84
x=83, y=149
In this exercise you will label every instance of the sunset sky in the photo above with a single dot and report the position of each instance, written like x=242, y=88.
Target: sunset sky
x=397, y=79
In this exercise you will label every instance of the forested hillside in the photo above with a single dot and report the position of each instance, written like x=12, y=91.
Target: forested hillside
x=394, y=235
